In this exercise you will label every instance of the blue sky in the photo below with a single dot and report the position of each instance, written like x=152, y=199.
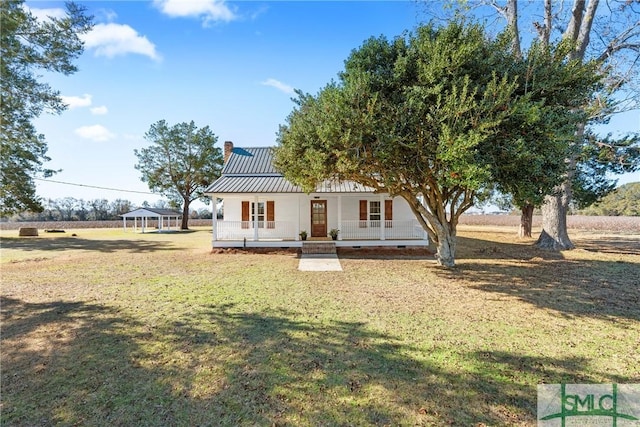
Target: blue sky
x=230, y=66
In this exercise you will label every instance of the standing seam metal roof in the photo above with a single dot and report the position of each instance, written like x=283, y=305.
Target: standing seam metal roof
x=250, y=161
x=152, y=212
x=251, y=170
x=253, y=184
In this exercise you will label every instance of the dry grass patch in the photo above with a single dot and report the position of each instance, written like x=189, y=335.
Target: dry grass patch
x=156, y=330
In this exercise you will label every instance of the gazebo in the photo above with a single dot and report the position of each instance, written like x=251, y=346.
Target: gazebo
x=160, y=215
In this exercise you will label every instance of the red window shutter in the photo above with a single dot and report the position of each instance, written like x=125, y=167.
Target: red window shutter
x=245, y=214
x=363, y=213
x=271, y=214
x=388, y=213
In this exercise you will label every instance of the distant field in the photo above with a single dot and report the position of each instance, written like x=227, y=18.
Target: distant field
x=124, y=329
x=69, y=225
x=577, y=222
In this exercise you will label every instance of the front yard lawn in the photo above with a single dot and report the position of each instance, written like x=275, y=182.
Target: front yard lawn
x=108, y=328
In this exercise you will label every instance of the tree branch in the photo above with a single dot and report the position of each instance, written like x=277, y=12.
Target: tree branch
x=573, y=28
x=621, y=42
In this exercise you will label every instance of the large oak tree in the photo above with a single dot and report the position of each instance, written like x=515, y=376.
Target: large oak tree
x=29, y=46
x=181, y=162
x=435, y=118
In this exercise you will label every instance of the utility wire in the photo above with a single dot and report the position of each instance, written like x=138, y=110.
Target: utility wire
x=95, y=186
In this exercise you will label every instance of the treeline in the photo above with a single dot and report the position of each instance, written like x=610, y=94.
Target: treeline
x=72, y=209
x=623, y=201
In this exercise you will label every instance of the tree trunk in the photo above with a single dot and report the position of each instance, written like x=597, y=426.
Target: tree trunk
x=446, y=248
x=185, y=216
x=526, y=221
x=512, y=21
x=441, y=231
x=554, y=234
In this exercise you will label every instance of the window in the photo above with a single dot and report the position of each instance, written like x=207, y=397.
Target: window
x=374, y=211
x=259, y=214
x=371, y=212
x=260, y=211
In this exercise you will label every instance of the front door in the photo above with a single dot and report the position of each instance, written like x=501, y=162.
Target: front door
x=318, y=218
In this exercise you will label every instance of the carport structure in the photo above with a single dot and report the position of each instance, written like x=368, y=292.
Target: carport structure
x=162, y=216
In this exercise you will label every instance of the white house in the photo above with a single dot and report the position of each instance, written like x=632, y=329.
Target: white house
x=263, y=209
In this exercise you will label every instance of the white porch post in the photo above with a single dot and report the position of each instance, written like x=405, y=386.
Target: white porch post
x=160, y=221
x=340, y=216
x=382, y=219
x=135, y=224
x=214, y=218
x=298, y=222
x=255, y=219
x=124, y=223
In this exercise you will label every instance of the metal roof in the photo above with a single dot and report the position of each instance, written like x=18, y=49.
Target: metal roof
x=333, y=186
x=250, y=161
x=251, y=170
x=253, y=184
x=151, y=212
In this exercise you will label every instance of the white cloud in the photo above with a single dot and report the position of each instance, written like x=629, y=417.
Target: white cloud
x=97, y=133
x=43, y=14
x=98, y=111
x=118, y=39
x=105, y=15
x=210, y=11
x=280, y=86
x=76, y=101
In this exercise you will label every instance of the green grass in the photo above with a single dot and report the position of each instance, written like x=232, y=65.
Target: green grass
x=130, y=329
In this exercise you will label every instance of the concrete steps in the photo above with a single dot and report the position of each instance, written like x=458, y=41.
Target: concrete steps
x=318, y=247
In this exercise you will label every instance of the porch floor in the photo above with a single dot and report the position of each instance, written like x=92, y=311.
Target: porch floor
x=338, y=243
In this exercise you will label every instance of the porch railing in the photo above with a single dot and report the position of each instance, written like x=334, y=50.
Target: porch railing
x=267, y=230
x=371, y=230
x=349, y=230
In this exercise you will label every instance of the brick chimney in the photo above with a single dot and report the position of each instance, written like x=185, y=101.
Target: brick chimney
x=228, y=147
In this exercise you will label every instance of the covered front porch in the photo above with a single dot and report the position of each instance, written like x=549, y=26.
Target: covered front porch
x=284, y=221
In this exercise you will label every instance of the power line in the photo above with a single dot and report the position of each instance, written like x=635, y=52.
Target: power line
x=95, y=186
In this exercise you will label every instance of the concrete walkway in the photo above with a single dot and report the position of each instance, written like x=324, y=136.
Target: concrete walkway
x=319, y=262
